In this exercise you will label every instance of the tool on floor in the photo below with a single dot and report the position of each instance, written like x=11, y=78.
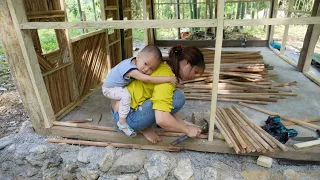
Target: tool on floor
x=204, y=129
x=278, y=130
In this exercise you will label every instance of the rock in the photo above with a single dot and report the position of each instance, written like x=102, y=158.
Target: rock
x=66, y=175
x=107, y=160
x=11, y=128
x=69, y=157
x=71, y=167
x=53, y=160
x=209, y=173
x=26, y=127
x=197, y=117
x=86, y=154
x=255, y=175
x=36, y=159
x=128, y=177
x=31, y=172
x=5, y=166
x=11, y=148
x=5, y=143
x=19, y=158
x=159, y=165
x=39, y=149
x=131, y=162
x=49, y=174
x=183, y=171
x=89, y=174
x=291, y=174
x=119, y=152
x=142, y=171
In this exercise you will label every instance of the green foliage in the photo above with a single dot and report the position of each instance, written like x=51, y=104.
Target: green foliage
x=48, y=40
x=138, y=34
x=1, y=50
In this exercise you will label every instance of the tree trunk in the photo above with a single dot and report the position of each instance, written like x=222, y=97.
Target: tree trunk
x=238, y=13
x=243, y=10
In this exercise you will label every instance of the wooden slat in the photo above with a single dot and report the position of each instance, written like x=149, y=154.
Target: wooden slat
x=45, y=14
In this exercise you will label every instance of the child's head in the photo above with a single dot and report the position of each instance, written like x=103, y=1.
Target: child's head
x=148, y=59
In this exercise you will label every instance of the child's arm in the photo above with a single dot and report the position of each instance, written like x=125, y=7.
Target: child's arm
x=151, y=79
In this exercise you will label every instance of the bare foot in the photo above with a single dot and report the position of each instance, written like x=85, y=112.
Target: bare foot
x=151, y=135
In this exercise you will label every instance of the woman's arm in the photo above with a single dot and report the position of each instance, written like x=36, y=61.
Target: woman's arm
x=152, y=79
x=169, y=123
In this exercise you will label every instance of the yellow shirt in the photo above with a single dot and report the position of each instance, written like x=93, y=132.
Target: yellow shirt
x=159, y=94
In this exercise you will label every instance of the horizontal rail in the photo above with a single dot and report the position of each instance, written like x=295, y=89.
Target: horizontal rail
x=172, y=23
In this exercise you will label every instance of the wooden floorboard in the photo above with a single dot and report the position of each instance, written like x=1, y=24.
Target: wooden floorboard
x=217, y=146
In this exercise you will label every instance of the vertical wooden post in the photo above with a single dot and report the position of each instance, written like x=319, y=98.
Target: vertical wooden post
x=70, y=50
x=216, y=70
x=178, y=16
x=303, y=52
x=312, y=44
x=103, y=17
x=286, y=29
x=24, y=65
x=145, y=31
x=274, y=11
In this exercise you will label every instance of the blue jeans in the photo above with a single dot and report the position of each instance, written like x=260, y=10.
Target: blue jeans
x=144, y=116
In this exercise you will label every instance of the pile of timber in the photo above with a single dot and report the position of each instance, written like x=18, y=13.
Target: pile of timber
x=243, y=78
x=242, y=134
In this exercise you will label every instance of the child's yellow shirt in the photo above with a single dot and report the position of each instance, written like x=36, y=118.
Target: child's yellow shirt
x=159, y=94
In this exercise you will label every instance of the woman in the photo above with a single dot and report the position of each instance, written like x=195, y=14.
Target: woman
x=160, y=103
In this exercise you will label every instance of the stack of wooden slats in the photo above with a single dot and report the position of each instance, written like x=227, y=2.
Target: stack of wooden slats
x=242, y=134
x=243, y=78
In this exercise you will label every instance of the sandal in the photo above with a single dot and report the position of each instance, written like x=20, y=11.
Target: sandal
x=129, y=132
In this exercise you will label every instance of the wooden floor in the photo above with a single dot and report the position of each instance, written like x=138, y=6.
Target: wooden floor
x=217, y=146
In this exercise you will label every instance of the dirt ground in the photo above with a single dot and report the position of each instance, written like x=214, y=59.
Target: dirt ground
x=12, y=112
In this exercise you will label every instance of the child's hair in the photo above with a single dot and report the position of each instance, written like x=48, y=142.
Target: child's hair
x=191, y=54
x=154, y=50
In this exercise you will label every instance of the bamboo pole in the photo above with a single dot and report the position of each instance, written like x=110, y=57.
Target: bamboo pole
x=118, y=145
x=282, y=116
x=224, y=133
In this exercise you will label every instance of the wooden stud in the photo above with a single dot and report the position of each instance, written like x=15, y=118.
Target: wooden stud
x=216, y=71
x=18, y=15
x=306, y=144
x=264, y=161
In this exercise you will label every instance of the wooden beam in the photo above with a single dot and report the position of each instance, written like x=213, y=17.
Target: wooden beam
x=103, y=17
x=83, y=36
x=211, y=43
x=286, y=28
x=216, y=71
x=45, y=114
x=172, y=23
x=305, y=47
x=306, y=144
x=46, y=14
x=312, y=77
x=145, y=31
x=216, y=146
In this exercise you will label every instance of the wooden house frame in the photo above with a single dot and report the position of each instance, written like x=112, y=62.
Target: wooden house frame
x=50, y=89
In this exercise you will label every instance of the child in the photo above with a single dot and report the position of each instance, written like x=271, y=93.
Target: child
x=121, y=75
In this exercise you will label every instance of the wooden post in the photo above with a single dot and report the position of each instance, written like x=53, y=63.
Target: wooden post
x=274, y=10
x=307, y=38
x=286, y=29
x=103, y=17
x=216, y=70
x=24, y=65
x=70, y=50
x=145, y=31
x=178, y=16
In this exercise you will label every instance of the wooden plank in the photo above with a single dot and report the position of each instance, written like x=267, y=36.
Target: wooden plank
x=286, y=28
x=216, y=146
x=121, y=24
x=103, y=17
x=45, y=14
x=282, y=116
x=211, y=43
x=312, y=77
x=306, y=144
x=145, y=31
x=84, y=36
x=18, y=15
x=216, y=71
x=172, y=23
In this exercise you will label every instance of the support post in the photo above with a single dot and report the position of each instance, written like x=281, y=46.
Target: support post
x=307, y=38
x=103, y=17
x=22, y=58
x=145, y=31
x=286, y=28
x=274, y=11
x=216, y=70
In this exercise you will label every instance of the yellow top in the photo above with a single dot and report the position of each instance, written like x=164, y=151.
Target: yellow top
x=159, y=94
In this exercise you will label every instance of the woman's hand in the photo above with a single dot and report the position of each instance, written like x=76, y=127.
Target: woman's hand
x=194, y=131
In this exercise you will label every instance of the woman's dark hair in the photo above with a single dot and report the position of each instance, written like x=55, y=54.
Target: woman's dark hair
x=191, y=54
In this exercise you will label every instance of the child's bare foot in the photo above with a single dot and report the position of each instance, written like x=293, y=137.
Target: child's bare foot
x=151, y=135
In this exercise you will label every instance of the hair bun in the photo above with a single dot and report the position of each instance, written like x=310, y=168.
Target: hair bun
x=177, y=49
